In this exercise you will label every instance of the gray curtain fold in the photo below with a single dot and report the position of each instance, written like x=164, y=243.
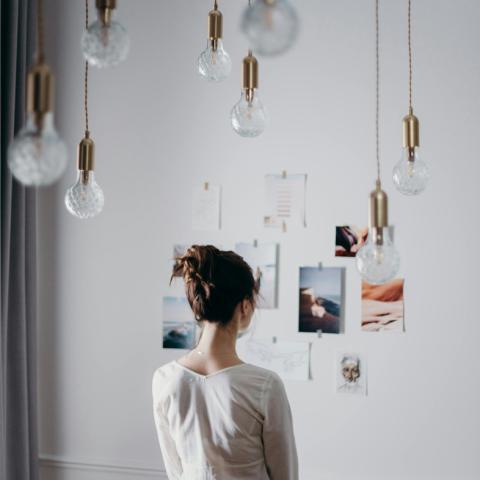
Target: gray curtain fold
x=18, y=355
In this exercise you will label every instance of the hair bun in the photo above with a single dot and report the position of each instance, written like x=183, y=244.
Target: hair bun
x=215, y=281
x=195, y=266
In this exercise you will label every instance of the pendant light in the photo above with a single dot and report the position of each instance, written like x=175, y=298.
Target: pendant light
x=248, y=115
x=105, y=43
x=271, y=26
x=84, y=199
x=214, y=62
x=378, y=260
x=37, y=155
x=410, y=174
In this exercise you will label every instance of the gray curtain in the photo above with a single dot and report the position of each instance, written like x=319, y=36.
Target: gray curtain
x=18, y=402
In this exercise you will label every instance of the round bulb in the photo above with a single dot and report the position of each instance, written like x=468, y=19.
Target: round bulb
x=271, y=26
x=249, y=116
x=410, y=174
x=37, y=156
x=214, y=64
x=378, y=264
x=85, y=199
x=105, y=45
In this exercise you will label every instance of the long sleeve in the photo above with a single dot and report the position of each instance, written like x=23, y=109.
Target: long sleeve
x=278, y=436
x=173, y=464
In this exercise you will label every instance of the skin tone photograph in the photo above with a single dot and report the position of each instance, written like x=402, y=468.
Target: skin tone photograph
x=382, y=306
x=349, y=239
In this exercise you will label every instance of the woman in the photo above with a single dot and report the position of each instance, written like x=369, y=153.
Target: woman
x=216, y=416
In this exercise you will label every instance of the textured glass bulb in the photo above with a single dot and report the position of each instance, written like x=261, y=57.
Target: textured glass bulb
x=37, y=156
x=378, y=263
x=271, y=26
x=105, y=45
x=84, y=199
x=410, y=174
x=214, y=64
x=248, y=115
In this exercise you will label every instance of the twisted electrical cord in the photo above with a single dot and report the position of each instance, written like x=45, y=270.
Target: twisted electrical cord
x=410, y=67
x=40, y=54
x=85, y=84
x=377, y=89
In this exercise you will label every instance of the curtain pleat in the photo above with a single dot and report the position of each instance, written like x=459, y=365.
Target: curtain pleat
x=18, y=302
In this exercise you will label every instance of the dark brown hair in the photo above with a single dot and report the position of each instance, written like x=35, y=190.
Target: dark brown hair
x=215, y=282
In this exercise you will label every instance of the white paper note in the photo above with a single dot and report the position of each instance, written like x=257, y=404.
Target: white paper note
x=291, y=360
x=285, y=201
x=206, y=207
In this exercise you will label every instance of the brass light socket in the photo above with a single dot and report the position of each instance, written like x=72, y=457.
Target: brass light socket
x=105, y=9
x=86, y=154
x=411, y=131
x=215, y=26
x=378, y=218
x=250, y=72
x=40, y=83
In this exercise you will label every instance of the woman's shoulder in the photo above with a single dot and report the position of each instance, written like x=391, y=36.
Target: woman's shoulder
x=256, y=378
x=260, y=372
x=163, y=377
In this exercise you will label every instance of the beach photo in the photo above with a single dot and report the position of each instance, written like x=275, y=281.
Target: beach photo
x=349, y=239
x=382, y=306
x=263, y=259
x=320, y=303
x=179, y=326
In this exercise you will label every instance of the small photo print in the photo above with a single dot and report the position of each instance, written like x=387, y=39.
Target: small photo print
x=178, y=251
x=382, y=306
x=321, y=293
x=351, y=373
x=179, y=326
x=263, y=259
x=349, y=239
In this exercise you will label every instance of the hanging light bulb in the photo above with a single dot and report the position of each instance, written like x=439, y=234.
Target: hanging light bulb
x=37, y=155
x=410, y=174
x=105, y=43
x=271, y=26
x=378, y=260
x=85, y=199
x=214, y=63
x=248, y=115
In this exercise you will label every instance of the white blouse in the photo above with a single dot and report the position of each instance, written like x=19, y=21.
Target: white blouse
x=230, y=425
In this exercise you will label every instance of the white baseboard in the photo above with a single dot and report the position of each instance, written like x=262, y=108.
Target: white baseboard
x=54, y=467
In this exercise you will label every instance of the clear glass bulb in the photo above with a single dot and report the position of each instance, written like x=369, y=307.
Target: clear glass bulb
x=378, y=263
x=214, y=64
x=37, y=156
x=248, y=115
x=271, y=26
x=410, y=174
x=85, y=199
x=105, y=45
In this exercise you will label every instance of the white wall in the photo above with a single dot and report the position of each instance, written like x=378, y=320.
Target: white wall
x=159, y=129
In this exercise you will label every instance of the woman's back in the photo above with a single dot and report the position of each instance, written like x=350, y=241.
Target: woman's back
x=233, y=424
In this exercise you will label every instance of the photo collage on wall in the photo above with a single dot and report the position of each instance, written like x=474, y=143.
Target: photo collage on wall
x=321, y=289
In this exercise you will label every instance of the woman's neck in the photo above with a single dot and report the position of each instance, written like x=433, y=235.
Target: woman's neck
x=218, y=340
x=215, y=350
